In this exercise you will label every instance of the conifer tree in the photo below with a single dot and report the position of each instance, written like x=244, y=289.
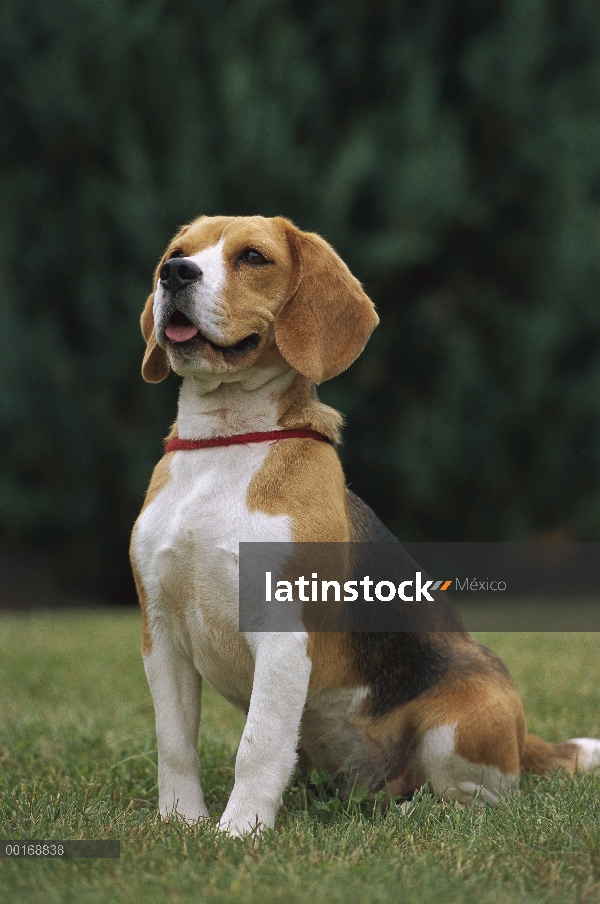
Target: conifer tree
x=449, y=150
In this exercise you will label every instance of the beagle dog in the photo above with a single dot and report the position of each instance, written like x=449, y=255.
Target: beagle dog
x=252, y=313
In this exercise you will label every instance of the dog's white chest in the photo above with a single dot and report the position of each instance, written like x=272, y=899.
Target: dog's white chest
x=186, y=547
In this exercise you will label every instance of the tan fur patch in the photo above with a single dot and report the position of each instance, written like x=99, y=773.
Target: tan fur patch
x=160, y=478
x=191, y=238
x=143, y=599
x=300, y=407
x=325, y=324
x=303, y=478
x=541, y=756
x=173, y=432
x=491, y=725
x=332, y=663
x=252, y=295
x=155, y=366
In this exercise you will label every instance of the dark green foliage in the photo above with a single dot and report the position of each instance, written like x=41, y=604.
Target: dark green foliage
x=449, y=150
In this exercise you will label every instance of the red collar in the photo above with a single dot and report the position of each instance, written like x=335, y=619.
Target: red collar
x=240, y=439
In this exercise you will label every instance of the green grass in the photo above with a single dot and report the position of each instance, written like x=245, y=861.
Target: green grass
x=78, y=759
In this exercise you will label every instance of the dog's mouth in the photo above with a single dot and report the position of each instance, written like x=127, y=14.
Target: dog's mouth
x=180, y=329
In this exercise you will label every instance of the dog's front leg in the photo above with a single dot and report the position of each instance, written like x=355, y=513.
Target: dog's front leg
x=176, y=689
x=267, y=751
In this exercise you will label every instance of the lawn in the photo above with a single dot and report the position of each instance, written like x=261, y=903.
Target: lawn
x=78, y=759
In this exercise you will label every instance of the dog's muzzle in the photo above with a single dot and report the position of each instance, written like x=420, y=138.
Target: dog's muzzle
x=177, y=325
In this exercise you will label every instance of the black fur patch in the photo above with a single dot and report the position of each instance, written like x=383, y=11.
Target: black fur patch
x=399, y=666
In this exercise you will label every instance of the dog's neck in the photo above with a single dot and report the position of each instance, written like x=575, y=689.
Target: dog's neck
x=261, y=400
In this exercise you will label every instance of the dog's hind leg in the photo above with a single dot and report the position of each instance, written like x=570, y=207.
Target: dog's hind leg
x=453, y=777
x=474, y=750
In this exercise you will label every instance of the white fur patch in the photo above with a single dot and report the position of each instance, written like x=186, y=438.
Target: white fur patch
x=454, y=778
x=186, y=546
x=207, y=292
x=589, y=756
x=206, y=409
x=209, y=315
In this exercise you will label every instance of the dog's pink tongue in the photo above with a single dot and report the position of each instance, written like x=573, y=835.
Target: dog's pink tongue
x=181, y=332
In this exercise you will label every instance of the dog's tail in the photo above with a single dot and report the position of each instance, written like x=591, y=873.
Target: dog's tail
x=576, y=755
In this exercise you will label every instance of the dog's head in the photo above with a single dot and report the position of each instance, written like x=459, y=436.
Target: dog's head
x=236, y=292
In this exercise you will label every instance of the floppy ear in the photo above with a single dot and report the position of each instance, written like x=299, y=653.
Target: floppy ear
x=155, y=366
x=326, y=322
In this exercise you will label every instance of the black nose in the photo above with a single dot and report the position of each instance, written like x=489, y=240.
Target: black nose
x=177, y=273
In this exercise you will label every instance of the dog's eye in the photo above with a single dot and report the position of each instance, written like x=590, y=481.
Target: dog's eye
x=177, y=253
x=251, y=256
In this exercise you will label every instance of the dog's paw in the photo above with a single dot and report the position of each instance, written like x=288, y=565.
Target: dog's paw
x=241, y=820
x=175, y=816
x=190, y=815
